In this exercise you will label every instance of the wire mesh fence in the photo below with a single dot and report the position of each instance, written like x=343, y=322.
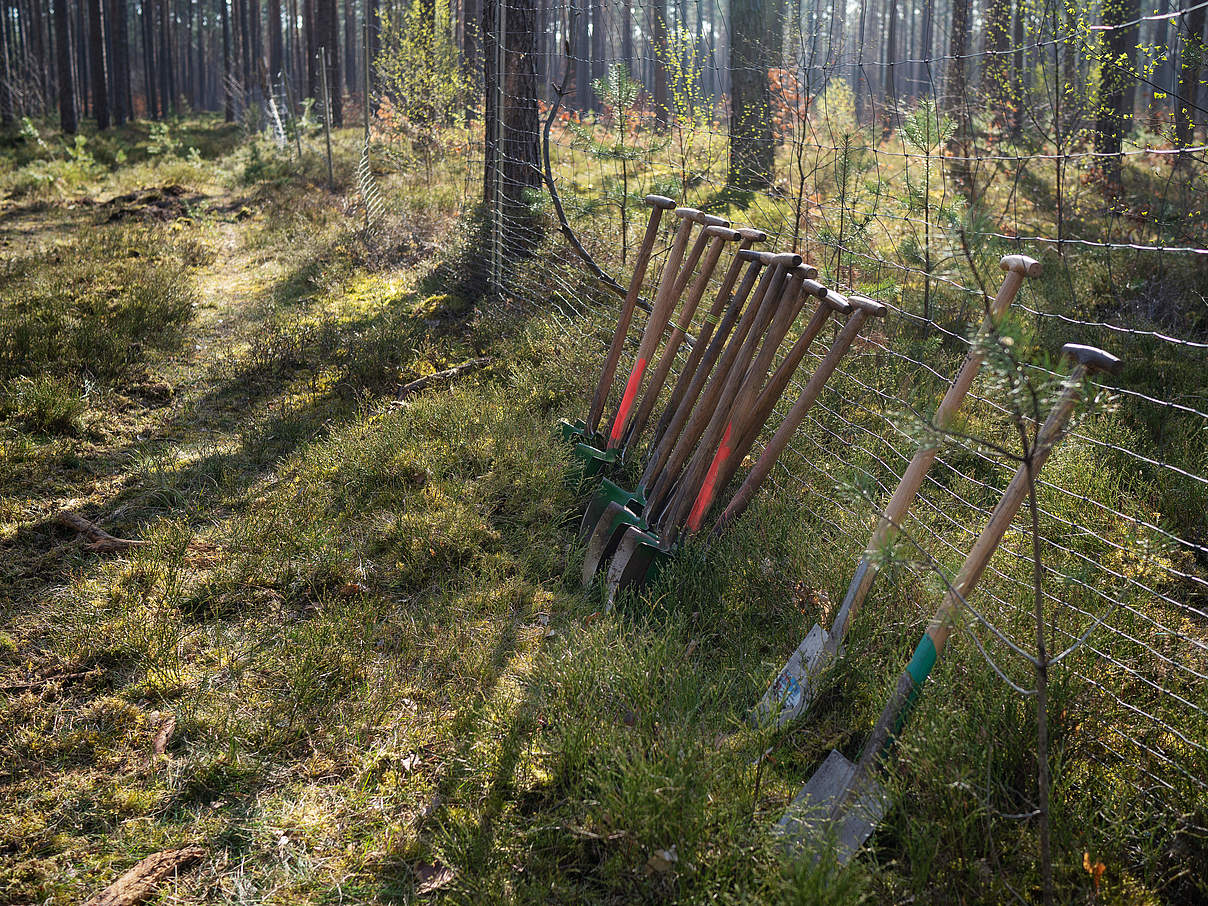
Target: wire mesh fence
x=903, y=148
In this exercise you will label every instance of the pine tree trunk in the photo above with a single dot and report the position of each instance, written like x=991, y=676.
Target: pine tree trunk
x=96, y=56
x=167, y=93
x=1115, y=76
x=276, y=46
x=228, y=102
x=1191, y=64
x=350, y=47
x=995, y=69
x=7, y=47
x=373, y=14
x=753, y=49
x=120, y=41
x=67, y=103
x=327, y=30
x=599, y=48
x=150, y=77
x=310, y=20
x=955, y=100
x=658, y=30
x=627, y=35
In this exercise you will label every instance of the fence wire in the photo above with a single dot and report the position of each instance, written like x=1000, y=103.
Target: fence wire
x=906, y=147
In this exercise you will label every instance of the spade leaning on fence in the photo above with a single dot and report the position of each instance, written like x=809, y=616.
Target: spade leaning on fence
x=843, y=802
x=793, y=689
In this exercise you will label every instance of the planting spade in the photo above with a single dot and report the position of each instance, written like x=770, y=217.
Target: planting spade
x=794, y=687
x=843, y=802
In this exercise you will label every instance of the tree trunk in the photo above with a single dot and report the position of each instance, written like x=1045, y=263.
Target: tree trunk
x=996, y=68
x=753, y=49
x=955, y=99
x=471, y=51
x=228, y=102
x=581, y=51
x=167, y=92
x=627, y=35
x=96, y=57
x=150, y=78
x=67, y=103
x=1191, y=64
x=7, y=48
x=120, y=42
x=599, y=48
x=658, y=30
x=327, y=30
x=1115, y=77
x=276, y=45
x=350, y=47
x=310, y=20
x=888, y=85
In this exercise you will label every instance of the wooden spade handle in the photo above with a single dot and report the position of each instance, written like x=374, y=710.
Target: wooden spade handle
x=718, y=237
x=699, y=487
x=701, y=371
x=660, y=313
x=935, y=639
x=737, y=353
x=830, y=302
x=1016, y=267
x=658, y=204
x=862, y=309
x=747, y=237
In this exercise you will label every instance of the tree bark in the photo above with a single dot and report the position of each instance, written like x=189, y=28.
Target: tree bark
x=599, y=48
x=96, y=57
x=372, y=14
x=350, y=47
x=753, y=49
x=581, y=51
x=276, y=45
x=167, y=90
x=7, y=50
x=995, y=69
x=228, y=103
x=955, y=100
x=150, y=78
x=657, y=20
x=120, y=41
x=1115, y=77
x=327, y=31
x=1191, y=64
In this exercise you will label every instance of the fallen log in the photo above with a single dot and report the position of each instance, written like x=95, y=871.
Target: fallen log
x=139, y=883
x=448, y=374
x=99, y=540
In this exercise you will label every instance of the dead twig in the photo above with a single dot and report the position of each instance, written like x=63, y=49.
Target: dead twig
x=99, y=540
x=139, y=883
x=448, y=374
x=47, y=680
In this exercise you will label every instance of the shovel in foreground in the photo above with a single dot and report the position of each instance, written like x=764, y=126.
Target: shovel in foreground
x=794, y=687
x=842, y=801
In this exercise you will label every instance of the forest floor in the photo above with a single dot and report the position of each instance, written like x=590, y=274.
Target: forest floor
x=348, y=656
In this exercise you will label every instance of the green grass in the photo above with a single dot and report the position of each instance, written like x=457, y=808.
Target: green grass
x=365, y=617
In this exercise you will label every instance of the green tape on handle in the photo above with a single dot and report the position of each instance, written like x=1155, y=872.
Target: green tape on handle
x=923, y=660
x=918, y=670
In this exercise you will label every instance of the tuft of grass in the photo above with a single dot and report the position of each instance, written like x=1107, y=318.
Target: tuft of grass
x=97, y=305
x=45, y=404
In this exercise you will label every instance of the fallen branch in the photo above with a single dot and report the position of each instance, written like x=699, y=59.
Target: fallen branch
x=139, y=883
x=99, y=540
x=47, y=680
x=448, y=374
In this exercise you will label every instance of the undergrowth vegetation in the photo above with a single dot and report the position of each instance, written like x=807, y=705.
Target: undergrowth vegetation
x=355, y=625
